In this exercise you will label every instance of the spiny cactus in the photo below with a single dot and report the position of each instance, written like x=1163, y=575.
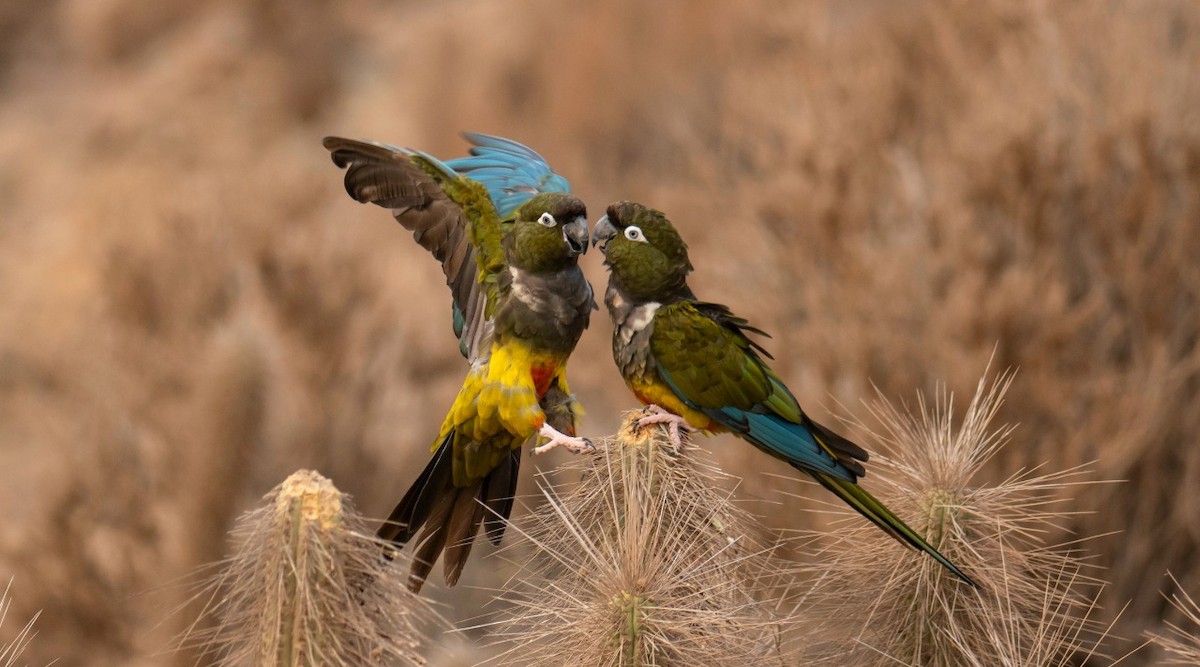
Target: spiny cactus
x=645, y=561
x=306, y=585
x=1182, y=641
x=882, y=605
x=11, y=651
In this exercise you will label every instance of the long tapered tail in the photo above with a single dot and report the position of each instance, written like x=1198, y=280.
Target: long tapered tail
x=867, y=505
x=833, y=461
x=448, y=516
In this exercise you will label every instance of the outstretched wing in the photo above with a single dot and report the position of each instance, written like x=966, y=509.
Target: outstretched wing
x=512, y=173
x=451, y=216
x=703, y=354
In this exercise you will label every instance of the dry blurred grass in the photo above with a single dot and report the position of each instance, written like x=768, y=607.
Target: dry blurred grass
x=192, y=308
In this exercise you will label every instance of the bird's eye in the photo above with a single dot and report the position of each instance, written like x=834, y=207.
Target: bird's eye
x=635, y=234
x=547, y=220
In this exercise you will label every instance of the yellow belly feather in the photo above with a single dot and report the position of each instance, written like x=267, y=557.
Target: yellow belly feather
x=497, y=408
x=649, y=391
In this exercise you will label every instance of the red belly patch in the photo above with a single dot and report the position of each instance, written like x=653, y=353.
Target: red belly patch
x=542, y=375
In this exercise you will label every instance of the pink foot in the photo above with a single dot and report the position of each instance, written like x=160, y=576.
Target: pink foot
x=557, y=438
x=677, y=427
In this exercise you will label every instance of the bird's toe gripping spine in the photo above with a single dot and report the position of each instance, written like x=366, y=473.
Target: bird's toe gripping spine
x=678, y=428
x=556, y=438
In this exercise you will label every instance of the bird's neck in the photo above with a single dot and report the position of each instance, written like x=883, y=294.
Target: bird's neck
x=625, y=295
x=624, y=303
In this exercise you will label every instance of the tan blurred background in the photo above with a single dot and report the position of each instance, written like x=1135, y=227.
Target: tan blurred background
x=191, y=308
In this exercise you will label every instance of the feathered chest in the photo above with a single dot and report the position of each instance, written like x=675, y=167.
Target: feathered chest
x=548, y=311
x=633, y=325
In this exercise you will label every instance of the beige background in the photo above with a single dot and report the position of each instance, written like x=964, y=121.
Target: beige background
x=191, y=308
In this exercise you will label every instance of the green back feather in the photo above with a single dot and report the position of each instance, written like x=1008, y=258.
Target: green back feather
x=483, y=222
x=713, y=365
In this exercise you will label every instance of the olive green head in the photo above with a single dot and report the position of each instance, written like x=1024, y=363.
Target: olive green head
x=547, y=233
x=647, y=257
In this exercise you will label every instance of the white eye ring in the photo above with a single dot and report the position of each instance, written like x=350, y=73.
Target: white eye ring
x=547, y=220
x=634, y=233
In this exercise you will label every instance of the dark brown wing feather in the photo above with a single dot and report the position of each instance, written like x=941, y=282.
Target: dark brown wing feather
x=460, y=530
x=448, y=517
x=387, y=176
x=845, y=451
x=415, y=509
x=499, y=489
x=450, y=530
x=432, y=539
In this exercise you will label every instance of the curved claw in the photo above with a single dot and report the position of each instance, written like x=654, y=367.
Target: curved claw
x=677, y=427
x=556, y=438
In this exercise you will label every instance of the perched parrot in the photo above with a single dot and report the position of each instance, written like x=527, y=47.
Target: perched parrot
x=508, y=234
x=693, y=363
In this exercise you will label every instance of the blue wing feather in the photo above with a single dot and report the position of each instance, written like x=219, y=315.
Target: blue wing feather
x=512, y=172
x=792, y=442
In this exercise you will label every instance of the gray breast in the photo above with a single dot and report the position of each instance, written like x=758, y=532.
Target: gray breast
x=633, y=324
x=550, y=310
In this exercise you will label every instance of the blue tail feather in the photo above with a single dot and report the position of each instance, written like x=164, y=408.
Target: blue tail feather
x=790, y=441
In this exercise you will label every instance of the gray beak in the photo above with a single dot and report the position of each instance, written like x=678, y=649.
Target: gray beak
x=602, y=232
x=575, y=233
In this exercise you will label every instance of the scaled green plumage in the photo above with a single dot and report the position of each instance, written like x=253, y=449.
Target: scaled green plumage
x=696, y=360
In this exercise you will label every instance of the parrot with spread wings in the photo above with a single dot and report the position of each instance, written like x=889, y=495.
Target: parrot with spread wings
x=508, y=234
x=695, y=367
